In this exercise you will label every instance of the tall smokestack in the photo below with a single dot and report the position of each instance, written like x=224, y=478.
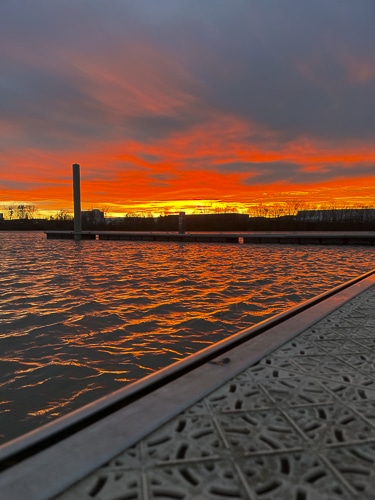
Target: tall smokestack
x=77, y=200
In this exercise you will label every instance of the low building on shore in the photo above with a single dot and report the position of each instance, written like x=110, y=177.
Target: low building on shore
x=92, y=217
x=337, y=215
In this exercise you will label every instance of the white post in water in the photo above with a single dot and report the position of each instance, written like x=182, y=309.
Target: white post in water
x=77, y=201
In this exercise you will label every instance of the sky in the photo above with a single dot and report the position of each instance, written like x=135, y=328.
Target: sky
x=172, y=105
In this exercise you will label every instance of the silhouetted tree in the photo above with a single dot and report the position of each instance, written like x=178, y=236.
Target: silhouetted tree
x=10, y=211
x=63, y=214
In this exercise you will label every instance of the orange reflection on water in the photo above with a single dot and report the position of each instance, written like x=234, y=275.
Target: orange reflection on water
x=55, y=409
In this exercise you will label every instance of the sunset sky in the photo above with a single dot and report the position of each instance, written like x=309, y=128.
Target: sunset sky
x=173, y=105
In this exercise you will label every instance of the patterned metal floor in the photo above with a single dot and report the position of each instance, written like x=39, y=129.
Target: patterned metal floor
x=298, y=425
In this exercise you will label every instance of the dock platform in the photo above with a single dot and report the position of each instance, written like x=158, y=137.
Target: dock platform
x=284, y=410
x=257, y=237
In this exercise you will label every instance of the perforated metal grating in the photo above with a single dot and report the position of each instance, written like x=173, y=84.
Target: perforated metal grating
x=298, y=425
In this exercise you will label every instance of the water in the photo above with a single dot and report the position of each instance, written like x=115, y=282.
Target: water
x=81, y=319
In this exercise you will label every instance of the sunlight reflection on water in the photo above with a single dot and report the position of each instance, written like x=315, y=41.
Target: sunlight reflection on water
x=81, y=319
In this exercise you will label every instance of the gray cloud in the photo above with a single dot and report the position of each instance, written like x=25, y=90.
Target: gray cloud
x=292, y=173
x=148, y=128
x=289, y=66
x=149, y=158
x=161, y=180
x=285, y=66
x=49, y=109
x=19, y=185
x=295, y=79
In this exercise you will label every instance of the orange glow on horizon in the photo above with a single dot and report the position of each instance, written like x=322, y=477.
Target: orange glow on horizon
x=190, y=172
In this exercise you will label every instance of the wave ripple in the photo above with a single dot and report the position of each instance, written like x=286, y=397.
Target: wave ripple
x=81, y=319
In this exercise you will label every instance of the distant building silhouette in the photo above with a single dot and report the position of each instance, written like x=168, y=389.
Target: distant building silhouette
x=92, y=217
x=337, y=215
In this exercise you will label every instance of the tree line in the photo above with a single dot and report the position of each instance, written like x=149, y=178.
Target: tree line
x=20, y=212
x=276, y=217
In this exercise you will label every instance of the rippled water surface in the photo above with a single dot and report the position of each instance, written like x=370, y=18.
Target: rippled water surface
x=81, y=319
